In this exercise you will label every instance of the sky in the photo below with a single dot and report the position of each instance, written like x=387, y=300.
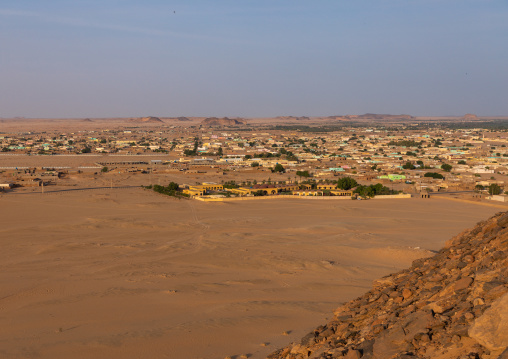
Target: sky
x=263, y=58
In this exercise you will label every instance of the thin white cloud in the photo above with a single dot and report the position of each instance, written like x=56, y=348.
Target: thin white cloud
x=121, y=28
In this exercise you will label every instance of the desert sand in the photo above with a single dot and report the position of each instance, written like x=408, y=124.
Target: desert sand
x=128, y=273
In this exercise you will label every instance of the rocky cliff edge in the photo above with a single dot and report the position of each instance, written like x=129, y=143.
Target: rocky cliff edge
x=451, y=305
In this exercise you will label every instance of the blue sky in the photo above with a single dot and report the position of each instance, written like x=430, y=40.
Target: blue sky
x=91, y=58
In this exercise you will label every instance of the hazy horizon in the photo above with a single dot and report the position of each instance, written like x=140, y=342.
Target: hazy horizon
x=499, y=117
x=112, y=58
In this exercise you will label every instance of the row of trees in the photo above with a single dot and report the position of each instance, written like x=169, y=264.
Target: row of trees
x=230, y=184
x=373, y=190
x=493, y=189
x=288, y=155
x=172, y=189
x=434, y=175
x=410, y=166
x=346, y=183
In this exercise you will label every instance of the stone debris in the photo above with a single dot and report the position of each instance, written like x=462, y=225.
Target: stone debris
x=452, y=305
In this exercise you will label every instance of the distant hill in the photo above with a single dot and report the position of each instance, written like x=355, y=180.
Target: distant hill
x=470, y=117
x=452, y=305
x=150, y=119
x=378, y=117
x=214, y=121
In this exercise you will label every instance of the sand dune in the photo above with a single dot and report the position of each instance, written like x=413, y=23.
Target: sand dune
x=128, y=274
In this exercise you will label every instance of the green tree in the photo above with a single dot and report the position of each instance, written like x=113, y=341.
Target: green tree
x=408, y=166
x=303, y=173
x=446, y=167
x=230, y=184
x=104, y=169
x=494, y=189
x=254, y=164
x=346, y=183
x=278, y=168
x=194, y=150
x=372, y=190
x=219, y=152
x=173, y=186
x=461, y=162
x=433, y=175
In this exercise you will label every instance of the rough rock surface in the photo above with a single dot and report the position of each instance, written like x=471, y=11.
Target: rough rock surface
x=491, y=329
x=470, y=117
x=451, y=305
x=150, y=119
x=214, y=121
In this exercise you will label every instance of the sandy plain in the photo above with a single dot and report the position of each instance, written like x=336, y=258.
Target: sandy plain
x=128, y=273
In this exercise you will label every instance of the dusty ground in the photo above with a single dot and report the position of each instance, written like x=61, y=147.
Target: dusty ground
x=128, y=273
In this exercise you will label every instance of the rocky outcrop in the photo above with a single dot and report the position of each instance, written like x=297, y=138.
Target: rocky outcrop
x=470, y=117
x=150, y=119
x=451, y=305
x=491, y=329
x=214, y=121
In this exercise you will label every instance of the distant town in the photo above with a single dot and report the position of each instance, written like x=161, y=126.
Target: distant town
x=225, y=159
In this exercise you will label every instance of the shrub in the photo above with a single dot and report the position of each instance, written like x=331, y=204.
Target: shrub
x=446, y=167
x=279, y=168
x=434, y=175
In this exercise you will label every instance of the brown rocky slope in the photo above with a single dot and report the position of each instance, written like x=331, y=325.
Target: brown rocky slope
x=214, y=121
x=451, y=305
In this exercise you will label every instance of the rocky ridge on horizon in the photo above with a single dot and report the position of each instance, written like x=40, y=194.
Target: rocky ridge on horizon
x=214, y=121
x=149, y=119
x=470, y=117
x=453, y=305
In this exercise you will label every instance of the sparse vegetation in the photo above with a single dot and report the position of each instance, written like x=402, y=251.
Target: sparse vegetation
x=434, y=175
x=494, y=189
x=346, y=183
x=172, y=189
x=446, y=167
x=373, y=190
